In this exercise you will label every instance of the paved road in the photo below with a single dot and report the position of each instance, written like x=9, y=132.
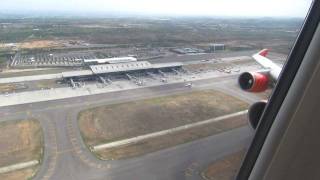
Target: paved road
x=198, y=57
x=66, y=157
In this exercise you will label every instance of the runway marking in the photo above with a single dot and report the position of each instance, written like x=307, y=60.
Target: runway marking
x=164, y=132
x=18, y=166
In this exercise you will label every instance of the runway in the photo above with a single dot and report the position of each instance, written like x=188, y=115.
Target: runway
x=66, y=157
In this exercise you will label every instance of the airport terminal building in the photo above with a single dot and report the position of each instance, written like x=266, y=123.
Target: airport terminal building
x=101, y=69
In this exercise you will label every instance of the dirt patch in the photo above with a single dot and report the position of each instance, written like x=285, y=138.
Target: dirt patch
x=38, y=44
x=224, y=169
x=169, y=140
x=36, y=72
x=11, y=87
x=7, y=88
x=20, y=141
x=126, y=120
x=218, y=66
x=46, y=83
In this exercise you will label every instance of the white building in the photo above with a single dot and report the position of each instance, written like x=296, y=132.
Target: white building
x=110, y=60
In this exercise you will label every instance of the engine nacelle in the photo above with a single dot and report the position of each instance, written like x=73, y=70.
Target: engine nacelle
x=253, y=81
x=255, y=113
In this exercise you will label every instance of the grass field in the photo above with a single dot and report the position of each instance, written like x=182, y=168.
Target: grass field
x=20, y=141
x=170, y=140
x=126, y=120
x=217, y=66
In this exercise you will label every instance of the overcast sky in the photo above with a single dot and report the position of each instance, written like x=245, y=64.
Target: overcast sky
x=243, y=8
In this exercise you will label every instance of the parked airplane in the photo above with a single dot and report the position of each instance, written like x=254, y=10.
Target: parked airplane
x=260, y=80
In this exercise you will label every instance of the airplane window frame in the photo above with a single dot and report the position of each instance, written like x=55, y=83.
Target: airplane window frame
x=279, y=93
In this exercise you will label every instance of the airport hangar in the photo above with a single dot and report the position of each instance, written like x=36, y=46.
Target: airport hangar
x=119, y=66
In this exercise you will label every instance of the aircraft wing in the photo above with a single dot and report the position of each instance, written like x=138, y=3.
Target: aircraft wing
x=260, y=57
x=259, y=81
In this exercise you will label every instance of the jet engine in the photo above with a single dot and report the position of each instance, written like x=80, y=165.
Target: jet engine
x=253, y=81
x=255, y=113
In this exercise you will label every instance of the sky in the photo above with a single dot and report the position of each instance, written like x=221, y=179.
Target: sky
x=240, y=8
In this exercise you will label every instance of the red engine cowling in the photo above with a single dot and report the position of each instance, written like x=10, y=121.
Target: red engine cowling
x=253, y=81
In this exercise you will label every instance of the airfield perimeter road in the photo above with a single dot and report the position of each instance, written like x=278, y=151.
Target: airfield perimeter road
x=66, y=157
x=204, y=56
x=218, y=55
